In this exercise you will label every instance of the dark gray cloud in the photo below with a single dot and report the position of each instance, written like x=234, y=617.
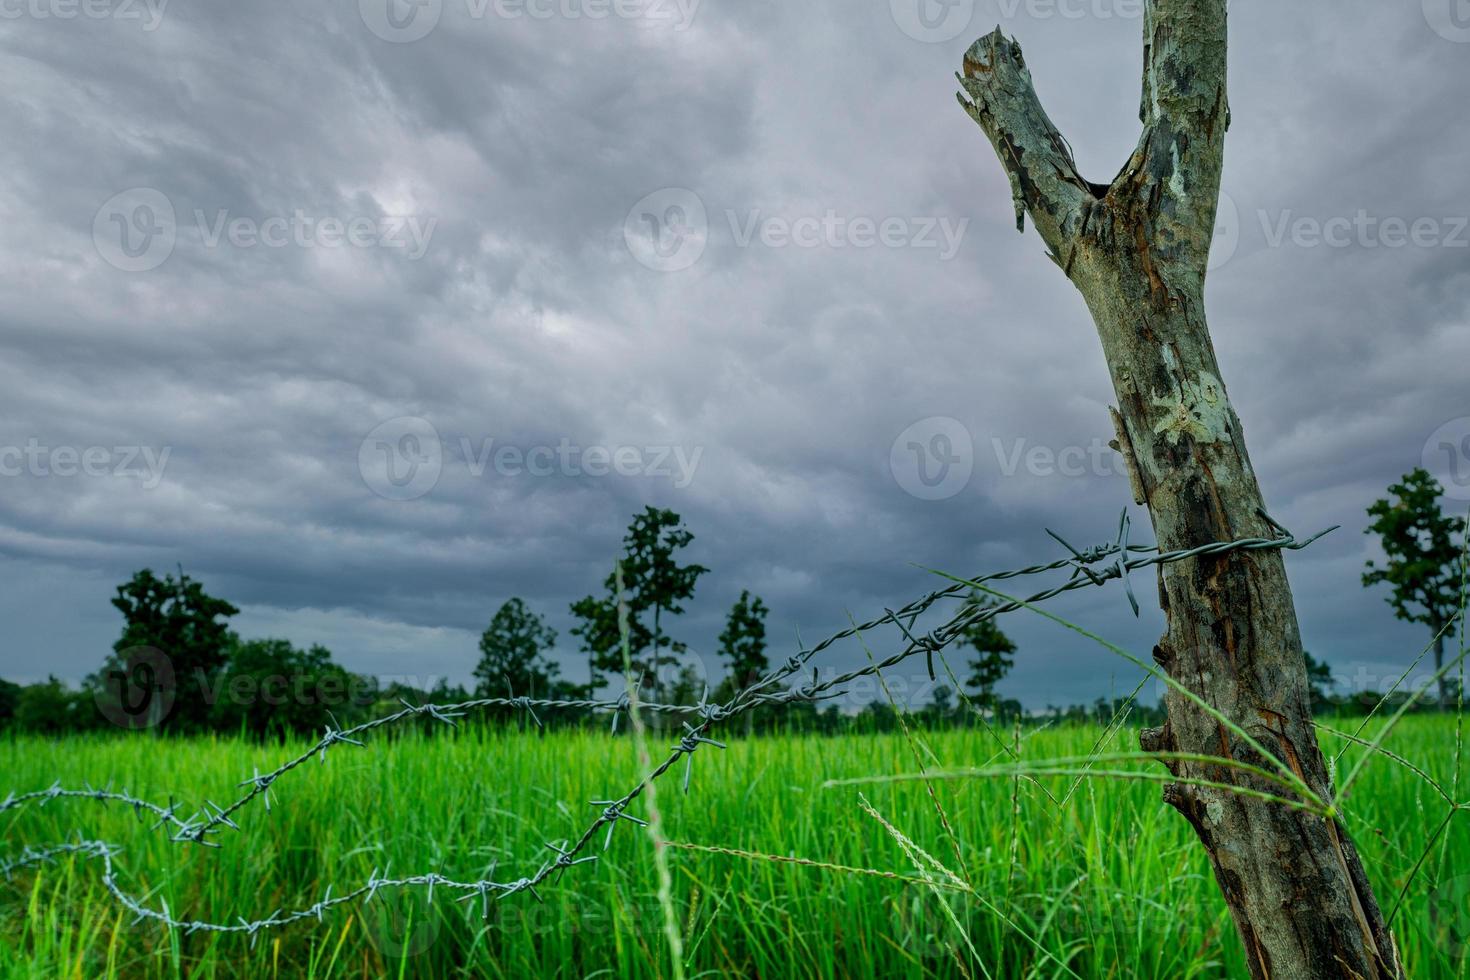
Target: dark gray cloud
x=352, y=228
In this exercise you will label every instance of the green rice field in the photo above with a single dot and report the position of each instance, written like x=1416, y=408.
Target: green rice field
x=1104, y=882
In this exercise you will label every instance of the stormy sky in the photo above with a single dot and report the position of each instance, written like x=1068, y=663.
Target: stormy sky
x=374, y=314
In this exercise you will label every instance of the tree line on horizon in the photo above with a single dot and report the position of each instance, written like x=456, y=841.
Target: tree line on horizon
x=197, y=675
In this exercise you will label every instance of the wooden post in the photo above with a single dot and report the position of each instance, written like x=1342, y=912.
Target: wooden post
x=1137, y=250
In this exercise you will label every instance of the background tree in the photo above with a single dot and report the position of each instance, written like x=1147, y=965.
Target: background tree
x=9, y=699
x=1424, y=568
x=1319, y=681
x=743, y=640
x=52, y=708
x=656, y=584
x=1137, y=248
x=392, y=693
x=269, y=688
x=177, y=617
x=743, y=648
x=994, y=654
x=513, y=654
x=688, y=686
x=944, y=704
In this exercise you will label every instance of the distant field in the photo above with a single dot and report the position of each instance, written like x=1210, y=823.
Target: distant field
x=1110, y=885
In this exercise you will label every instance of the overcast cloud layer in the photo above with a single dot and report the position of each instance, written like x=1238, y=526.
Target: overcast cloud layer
x=733, y=249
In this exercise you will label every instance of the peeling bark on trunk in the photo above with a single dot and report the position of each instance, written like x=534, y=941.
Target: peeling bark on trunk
x=1137, y=250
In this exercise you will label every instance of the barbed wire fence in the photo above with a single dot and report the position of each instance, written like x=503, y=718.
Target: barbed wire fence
x=785, y=684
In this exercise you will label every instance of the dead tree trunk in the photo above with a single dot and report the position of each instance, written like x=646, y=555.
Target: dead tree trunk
x=1137, y=249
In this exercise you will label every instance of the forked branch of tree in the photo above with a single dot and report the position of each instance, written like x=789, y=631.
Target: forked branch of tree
x=1184, y=111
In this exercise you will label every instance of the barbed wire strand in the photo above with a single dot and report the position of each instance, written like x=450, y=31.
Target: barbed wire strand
x=208, y=820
